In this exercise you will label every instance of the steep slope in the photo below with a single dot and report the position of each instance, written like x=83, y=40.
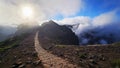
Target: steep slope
x=19, y=52
x=58, y=34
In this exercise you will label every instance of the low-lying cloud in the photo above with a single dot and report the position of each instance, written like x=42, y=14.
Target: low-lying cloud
x=102, y=29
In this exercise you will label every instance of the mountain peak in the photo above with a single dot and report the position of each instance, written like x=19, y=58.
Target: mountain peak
x=59, y=34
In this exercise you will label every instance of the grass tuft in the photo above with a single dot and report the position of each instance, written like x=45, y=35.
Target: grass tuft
x=117, y=44
x=8, y=46
x=115, y=63
x=60, y=46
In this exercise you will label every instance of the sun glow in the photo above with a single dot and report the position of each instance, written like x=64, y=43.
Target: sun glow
x=27, y=12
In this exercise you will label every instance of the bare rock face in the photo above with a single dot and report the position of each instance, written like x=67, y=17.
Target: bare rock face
x=58, y=34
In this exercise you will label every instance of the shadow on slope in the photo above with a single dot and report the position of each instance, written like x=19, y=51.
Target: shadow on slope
x=58, y=34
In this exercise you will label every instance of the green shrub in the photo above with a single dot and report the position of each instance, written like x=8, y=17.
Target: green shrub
x=83, y=56
x=115, y=63
x=60, y=46
x=12, y=42
x=8, y=46
x=117, y=44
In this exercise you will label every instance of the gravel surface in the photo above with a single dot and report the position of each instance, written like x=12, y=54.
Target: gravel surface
x=49, y=60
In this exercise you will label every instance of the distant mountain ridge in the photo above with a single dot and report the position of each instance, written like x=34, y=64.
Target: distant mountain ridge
x=6, y=32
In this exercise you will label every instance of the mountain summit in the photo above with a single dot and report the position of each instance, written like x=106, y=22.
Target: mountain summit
x=60, y=34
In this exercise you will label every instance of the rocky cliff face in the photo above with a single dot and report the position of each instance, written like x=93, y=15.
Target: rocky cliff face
x=58, y=34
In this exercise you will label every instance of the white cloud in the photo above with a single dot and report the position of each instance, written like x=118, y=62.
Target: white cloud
x=104, y=19
x=75, y=20
x=63, y=7
x=81, y=22
x=108, y=21
x=86, y=23
x=44, y=9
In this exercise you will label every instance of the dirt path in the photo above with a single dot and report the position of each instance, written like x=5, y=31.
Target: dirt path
x=49, y=60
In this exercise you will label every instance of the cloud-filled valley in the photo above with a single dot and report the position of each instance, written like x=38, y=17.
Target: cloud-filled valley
x=103, y=29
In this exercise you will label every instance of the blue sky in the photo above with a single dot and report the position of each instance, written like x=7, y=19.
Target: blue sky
x=93, y=8
x=96, y=7
x=10, y=10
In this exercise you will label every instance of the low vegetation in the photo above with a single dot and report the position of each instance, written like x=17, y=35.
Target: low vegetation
x=117, y=44
x=11, y=42
x=83, y=56
x=115, y=63
x=6, y=46
x=60, y=46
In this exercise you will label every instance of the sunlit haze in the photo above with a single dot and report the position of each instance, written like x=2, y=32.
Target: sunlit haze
x=95, y=13
x=27, y=12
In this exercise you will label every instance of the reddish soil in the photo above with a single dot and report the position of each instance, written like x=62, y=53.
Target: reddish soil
x=84, y=56
x=24, y=55
x=49, y=60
